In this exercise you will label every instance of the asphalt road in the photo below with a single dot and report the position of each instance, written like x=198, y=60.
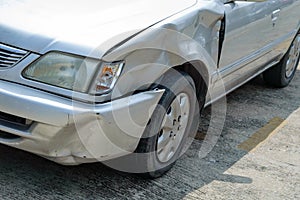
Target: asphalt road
x=231, y=170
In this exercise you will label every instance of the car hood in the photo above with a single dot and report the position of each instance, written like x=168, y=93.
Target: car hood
x=79, y=26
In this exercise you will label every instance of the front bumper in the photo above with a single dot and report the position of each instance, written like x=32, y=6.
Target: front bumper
x=71, y=132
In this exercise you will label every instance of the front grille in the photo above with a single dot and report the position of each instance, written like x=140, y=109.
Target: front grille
x=14, y=119
x=9, y=56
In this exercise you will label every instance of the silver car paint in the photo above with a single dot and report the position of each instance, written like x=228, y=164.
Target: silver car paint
x=139, y=38
x=256, y=34
x=80, y=27
x=55, y=120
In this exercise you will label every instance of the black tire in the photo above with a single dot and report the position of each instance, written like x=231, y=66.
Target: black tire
x=174, y=83
x=144, y=161
x=277, y=75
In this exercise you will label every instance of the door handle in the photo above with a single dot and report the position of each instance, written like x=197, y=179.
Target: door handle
x=275, y=16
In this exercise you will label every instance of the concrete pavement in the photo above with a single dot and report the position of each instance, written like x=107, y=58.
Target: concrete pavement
x=269, y=171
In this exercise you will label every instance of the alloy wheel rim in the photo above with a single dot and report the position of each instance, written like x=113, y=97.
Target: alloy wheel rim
x=173, y=128
x=291, y=63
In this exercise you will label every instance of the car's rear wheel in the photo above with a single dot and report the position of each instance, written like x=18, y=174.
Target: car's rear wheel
x=172, y=121
x=282, y=74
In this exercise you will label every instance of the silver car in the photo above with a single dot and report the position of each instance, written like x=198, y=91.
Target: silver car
x=124, y=81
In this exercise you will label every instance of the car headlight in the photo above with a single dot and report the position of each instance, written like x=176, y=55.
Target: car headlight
x=63, y=70
x=73, y=72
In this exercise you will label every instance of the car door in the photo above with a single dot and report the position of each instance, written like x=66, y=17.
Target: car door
x=249, y=30
x=286, y=21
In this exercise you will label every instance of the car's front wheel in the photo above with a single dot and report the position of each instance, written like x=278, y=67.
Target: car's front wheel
x=171, y=123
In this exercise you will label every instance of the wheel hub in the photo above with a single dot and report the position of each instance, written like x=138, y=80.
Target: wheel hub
x=173, y=127
x=293, y=57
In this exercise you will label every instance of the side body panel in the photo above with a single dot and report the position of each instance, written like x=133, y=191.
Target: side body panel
x=249, y=32
x=257, y=35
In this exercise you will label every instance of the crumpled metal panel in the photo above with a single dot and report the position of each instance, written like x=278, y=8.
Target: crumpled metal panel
x=158, y=38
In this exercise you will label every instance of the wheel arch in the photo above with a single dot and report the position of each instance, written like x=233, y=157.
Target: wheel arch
x=199, y=73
